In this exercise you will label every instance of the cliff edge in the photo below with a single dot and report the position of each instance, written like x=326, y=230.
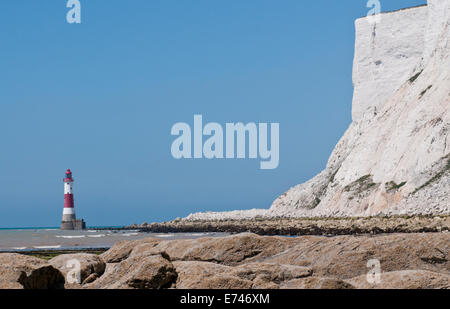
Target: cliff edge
x=394, y=159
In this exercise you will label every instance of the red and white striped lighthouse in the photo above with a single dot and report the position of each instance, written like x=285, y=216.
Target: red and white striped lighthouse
x=69, y=221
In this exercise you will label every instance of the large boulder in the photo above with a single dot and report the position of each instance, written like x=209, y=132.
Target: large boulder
x=91, y=266
x=195, y=275
x=25, y=272
x=143, y=272
x=345, y=257
x=10, y=278
x=207, y=275
x=269, y=275
x=230, y=250
x=121, y=250
x=251, y=261
x=246, y=261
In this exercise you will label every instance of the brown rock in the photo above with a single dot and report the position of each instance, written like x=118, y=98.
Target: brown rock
x=25, y=272
x=143, y=272
x=405, y=279
x=268, y=275
x=230, y=250
x=91, y=278
x=148, y=249
x=10, y=278
x=345, y=257
x=316, y=283
x=226, y=282
x=207, y=275
x=121, y=250
x=90, y=264
x=251, y=261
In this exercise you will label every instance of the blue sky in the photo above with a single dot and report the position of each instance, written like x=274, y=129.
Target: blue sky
x=101, y=97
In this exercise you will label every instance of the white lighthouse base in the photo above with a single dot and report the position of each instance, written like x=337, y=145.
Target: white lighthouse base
x=75, y=224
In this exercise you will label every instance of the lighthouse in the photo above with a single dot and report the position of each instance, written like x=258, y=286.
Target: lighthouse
x=69, y=220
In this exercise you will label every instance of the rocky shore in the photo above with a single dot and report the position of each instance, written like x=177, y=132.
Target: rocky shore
x=302, y=226
x=244, y=261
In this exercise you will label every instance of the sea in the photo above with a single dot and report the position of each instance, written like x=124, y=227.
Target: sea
x=43, y=239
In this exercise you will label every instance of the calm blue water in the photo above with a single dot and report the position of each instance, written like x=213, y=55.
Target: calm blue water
x=48, y=238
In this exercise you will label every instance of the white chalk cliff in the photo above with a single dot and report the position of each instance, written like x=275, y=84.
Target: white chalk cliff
x=395, y=156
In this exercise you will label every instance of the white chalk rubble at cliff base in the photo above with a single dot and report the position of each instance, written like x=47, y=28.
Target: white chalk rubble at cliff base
x=394, y=159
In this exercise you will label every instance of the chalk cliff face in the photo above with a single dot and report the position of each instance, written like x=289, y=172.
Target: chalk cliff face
x=385, y=55
x=395, y=156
